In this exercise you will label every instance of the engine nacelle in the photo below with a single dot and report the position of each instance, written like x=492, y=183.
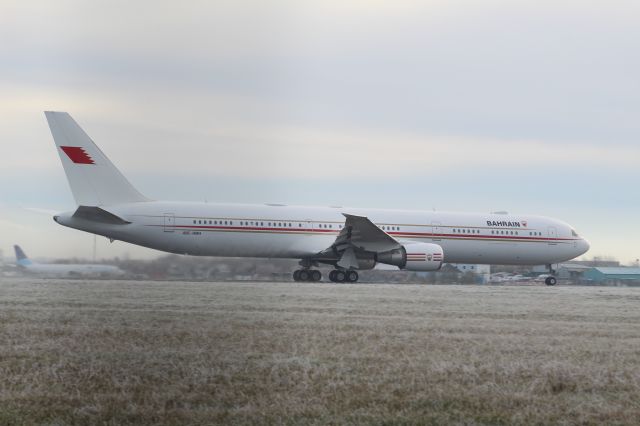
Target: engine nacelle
x=414, y=257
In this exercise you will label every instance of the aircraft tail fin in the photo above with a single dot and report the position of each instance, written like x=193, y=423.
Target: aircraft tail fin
x=93, y=179
x=21, y=257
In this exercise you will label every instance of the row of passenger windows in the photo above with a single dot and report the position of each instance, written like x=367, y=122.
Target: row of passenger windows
x=330, y=226
x=467, y=231
x=213, y=222
x=493, y=232
x=256, y=223
x=279, y=224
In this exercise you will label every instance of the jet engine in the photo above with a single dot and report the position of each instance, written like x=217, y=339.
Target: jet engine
x=414, y=257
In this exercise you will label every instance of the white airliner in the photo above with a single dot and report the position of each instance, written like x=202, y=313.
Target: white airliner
x=350, y=239
x=63, y=270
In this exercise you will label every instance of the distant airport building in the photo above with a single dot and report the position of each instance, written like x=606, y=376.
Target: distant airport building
x=482, y=272
x=566, y=271
x=571, y=271
x=612, y=275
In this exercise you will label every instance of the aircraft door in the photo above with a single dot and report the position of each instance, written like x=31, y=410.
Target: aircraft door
x=309, y=226
x=436, y=231
x=169, y=222
x=553, y=233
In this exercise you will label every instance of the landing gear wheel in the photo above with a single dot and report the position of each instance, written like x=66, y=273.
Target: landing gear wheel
x=303, y=274
x=339, y=276
x=315, y=276
x=296, y=275
x=351, y=276
x=550, y=281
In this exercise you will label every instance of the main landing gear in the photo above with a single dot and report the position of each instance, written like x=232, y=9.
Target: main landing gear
x=310, y=275
x=339, y=276
x=336, y=276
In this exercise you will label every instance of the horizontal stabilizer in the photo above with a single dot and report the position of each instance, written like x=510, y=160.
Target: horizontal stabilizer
x=96, y=214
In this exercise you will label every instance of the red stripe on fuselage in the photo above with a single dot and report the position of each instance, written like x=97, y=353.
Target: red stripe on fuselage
x=396, y=234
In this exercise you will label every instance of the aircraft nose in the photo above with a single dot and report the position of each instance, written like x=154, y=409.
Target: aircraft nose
x=584, y=246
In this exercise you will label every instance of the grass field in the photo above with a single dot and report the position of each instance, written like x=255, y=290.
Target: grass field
x=117, y=352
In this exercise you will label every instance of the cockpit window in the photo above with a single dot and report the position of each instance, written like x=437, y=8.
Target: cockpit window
x=574, y=233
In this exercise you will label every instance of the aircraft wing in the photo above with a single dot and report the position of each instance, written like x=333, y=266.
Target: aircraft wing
x=359, y=232
x=358, y=235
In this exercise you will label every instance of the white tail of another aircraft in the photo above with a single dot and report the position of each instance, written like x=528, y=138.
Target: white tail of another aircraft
x=93, y=179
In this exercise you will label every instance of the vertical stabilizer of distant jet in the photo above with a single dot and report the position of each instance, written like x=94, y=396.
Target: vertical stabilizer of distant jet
x=93, y=179
x=21, y=257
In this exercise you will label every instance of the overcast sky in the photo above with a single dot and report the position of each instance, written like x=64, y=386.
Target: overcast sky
x=527, y=106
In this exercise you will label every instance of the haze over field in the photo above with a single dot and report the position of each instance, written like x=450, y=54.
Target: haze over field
x=529, y=107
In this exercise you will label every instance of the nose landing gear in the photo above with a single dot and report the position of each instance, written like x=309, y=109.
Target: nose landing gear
x=551, y=279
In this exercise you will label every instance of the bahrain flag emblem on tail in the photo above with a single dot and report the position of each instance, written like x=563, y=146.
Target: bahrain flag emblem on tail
x=77, y=154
